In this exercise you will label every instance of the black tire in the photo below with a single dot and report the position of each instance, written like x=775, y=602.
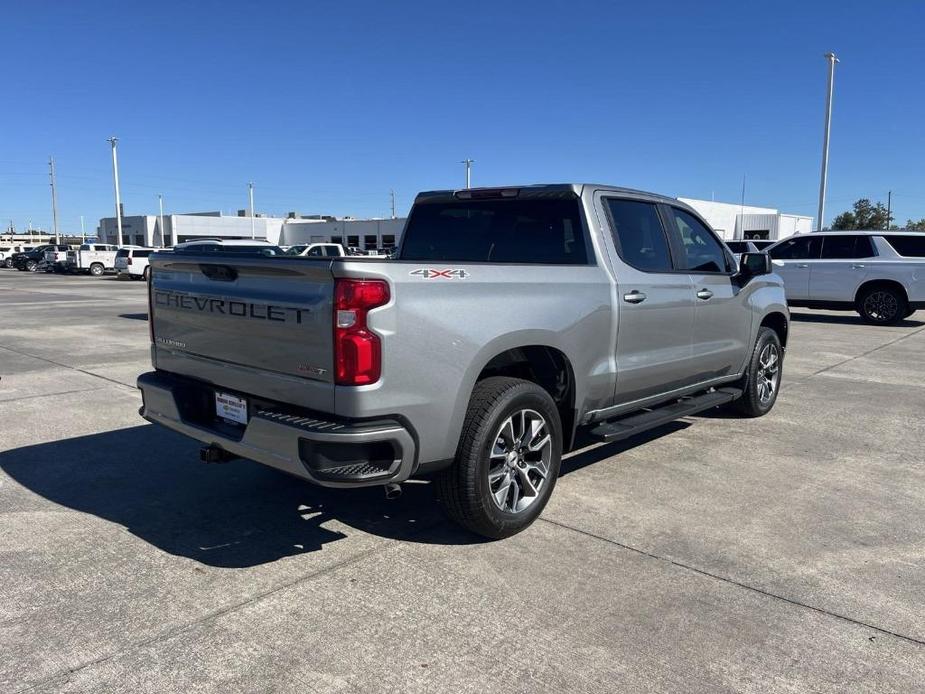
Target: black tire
x=909, y=312
x=31, y=266
x=96, y=269
x=756, y=400
x=8, y=263
x=882, y=305
x=146, y=274
x=465, y=491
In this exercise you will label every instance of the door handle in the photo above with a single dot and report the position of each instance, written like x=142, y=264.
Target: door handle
x=704, y=294
x=634, y=297
x=803, y=265
x=857, y=266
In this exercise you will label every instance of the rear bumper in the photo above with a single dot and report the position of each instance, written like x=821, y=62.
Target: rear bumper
x=322, y=451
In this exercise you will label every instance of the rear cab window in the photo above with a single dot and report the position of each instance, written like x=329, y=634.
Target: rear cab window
x=638, y=234
x=542, y=231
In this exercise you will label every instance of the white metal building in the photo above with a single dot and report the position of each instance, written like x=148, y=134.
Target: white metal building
x=145, y=230
x=733, y=221
x=360, y=233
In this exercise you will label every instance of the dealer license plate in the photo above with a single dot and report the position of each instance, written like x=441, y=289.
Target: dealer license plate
x=231, y=407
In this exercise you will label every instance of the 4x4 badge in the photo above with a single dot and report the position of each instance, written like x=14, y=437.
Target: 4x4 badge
x=432, y=274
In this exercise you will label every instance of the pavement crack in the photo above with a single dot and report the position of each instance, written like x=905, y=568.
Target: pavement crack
x=738, y=584
x=68, y=366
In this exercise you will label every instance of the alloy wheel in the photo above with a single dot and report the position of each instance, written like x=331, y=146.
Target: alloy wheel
x=519, y=461
x=768, y=373
x=881, y=306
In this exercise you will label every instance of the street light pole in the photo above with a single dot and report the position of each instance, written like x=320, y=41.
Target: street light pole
x=160, y=204
x=468, y=163
x=54, y=198
x=115, y=179
x=250, y=193
x=83, y=231
x=825, y=140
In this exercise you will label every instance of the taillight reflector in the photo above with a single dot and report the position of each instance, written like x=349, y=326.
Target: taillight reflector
x=357, y=350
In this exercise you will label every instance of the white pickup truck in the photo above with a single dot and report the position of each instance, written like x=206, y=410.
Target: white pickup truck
x=92, y=258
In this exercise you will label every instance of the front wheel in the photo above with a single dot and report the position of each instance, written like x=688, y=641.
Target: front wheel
x=32, y=266
x=8, y=263
x=507, y=461
x=96, y=269
x=882, y=305
x=762, y=378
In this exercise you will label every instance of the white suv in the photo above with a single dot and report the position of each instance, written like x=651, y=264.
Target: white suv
x=133, y=262
x=881, y=275
x=6, y=253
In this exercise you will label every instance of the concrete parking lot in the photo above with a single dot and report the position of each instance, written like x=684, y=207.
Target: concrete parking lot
x=716, y=554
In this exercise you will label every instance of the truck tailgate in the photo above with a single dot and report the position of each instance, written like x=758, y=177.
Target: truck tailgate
x=269, y=315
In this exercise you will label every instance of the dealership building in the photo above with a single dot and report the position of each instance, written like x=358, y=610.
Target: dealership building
x=145, y=230
x=732, y=221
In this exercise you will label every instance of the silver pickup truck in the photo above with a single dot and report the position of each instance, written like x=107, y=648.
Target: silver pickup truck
x=509, y=319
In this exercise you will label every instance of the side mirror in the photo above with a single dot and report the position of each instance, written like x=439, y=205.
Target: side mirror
x=754, y=264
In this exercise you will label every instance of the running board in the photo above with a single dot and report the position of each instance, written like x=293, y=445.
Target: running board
x=630, y=425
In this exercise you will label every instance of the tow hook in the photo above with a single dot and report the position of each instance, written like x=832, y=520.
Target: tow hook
x=215, y=454
x=392, y=491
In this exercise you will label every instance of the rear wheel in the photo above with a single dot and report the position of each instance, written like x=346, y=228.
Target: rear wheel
x=145, y=274
x=96, y=269
x=8, y=262
x=507, y=461
x=882, y=305
x=31, y=266
x=762, y=379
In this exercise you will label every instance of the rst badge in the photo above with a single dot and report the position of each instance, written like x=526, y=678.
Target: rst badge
x=433, y=274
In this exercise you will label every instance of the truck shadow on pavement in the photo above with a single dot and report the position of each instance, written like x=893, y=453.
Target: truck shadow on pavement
x=238, y=514
x=233, y=515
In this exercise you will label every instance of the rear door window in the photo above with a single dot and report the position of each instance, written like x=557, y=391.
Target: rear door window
x=497, y=231
x=638, y=235
x=907, y=246
x=802, y=248
x=141, y=254
x=845, y=247
x=700, y=249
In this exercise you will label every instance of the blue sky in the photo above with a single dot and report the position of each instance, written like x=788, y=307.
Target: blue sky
x=328, y=106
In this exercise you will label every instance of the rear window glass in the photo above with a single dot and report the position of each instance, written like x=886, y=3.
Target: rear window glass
x=122, y=253
x=497, y=231
x=140, y=254
x=908, y=246
x=844, y=247
x=220, y=249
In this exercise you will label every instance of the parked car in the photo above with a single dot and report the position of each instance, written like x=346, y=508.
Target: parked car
x=92, y=258
x=762, y=244
x=312, y=250
x=132, y=261
x=31, y=260
x=740, y=247
x=56, y=257
x=511, y=319
x=881, y=275
x=7, y=253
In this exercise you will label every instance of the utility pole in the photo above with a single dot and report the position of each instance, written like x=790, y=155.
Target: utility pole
x=54, y=198
x=742, y=208
x=83, y=233
x=115, y=179
x=250, y=194
x=825, y=139
x=889, y=206
x=160, y=204
x=468, y=163
x=392, y=193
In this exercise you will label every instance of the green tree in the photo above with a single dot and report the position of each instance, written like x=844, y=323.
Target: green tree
x=865, y=215
x=916, y=226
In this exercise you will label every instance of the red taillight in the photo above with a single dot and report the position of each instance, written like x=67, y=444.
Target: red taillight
x=357, y=350
x=151, y=309
x=128, y=261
